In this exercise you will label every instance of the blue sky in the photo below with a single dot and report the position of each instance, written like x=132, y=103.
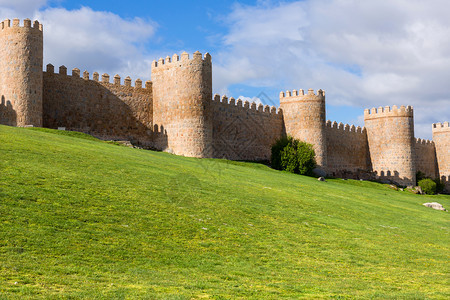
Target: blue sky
x=362, y=53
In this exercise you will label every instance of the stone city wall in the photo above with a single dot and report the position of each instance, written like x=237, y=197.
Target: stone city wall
x=390, y=134
x=175, y=112
x=441, y=138
x=100, y=108
x=425, y=157
x=243, y=130
x=347, y=150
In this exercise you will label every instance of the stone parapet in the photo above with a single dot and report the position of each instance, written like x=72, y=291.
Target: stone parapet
x=50, y=69
x=344, y=127
x=6, y=25
x=169, y=62
x=300, y=95
x=246, y=105
x=440, y=127
x=384, y=112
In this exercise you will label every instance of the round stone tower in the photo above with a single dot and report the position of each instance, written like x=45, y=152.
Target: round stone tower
x=182, y=95
x=21, y=59
x=390, y=134
x=304, y=118
x=441, y=138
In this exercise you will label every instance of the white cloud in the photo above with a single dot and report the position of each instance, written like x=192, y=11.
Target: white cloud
x=10, y=9
x=363, y=53
x=86, y=39
x=101, y=41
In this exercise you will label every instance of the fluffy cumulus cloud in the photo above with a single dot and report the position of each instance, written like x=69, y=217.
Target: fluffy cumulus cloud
x=101, y=41
x=363, y=53
x=86, y=39
x=20, y=8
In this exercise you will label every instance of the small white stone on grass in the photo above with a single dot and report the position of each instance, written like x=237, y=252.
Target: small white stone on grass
x=435, y=205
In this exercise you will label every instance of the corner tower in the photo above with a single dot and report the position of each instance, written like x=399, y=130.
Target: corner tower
x=441, y=139
x=21, y=59
x=182, y=95
x=390, y=134
x=304, y=118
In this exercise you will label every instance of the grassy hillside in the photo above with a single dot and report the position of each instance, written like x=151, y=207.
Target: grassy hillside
x=80, y=218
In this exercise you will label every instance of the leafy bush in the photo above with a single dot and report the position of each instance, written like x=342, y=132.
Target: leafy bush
x=293, y=156
x=439, y=185
x=428, y=186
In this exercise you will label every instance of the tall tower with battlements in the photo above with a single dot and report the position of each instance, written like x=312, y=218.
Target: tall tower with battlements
x=21, y=59
x=182, y=93
x=441, y=138
x=390, y=134
x=304, y=118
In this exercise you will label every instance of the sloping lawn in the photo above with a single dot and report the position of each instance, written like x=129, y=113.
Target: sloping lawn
x=81, y=218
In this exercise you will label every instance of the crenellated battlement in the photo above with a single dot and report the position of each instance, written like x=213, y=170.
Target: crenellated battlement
x=260, y=108
x=7, y=24
x=345, y=127
x=172, y=61
x=440, y=127
x=105, y=78
x=394, y=111
x=190, y=121
x=299, y=95
x=420, y=141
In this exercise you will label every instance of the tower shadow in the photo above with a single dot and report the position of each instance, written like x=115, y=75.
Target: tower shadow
x=8, y=115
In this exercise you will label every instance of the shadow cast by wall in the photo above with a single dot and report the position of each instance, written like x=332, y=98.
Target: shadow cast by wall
x=104, y=110
x=445, y=180
x=393, y=177
x=8, y=115
x=160, y=139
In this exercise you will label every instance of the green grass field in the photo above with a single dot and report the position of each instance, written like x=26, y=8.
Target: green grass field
x=81, y=218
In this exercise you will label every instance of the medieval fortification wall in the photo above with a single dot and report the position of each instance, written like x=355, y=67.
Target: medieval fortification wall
x=176, y=112
x=243, y=130
x=425, y=157
x=347, y=149
x=105, y=110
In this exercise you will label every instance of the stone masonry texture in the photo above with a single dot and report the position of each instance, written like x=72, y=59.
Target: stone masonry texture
x=182, y=94
x=390, y=135
x=176, y=112
x=21, y=58
x=103, y=109
x=347, y=149
x=304, y=118
x=441, y=138
x=244, y=131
